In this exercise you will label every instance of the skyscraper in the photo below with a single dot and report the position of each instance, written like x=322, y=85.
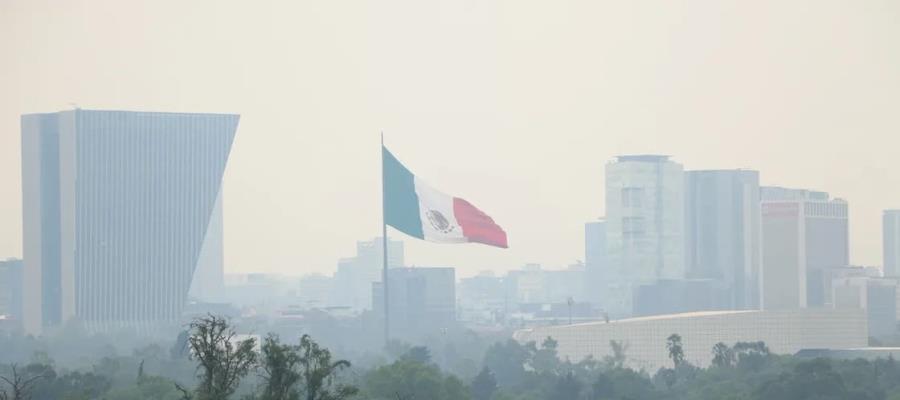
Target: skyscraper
x=723, y=232
x=422, y=301
x=805, y=236
x=209, y=276
x=355, y=275
x=644, y=225
x=116, y=207
x=11, y=289
x=595, y=262
x=890, y=225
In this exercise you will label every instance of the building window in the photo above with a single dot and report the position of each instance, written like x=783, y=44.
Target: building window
x=632, y=196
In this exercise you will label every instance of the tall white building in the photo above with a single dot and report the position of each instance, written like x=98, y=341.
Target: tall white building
x=805, y=237
x=723, y=232
x=595, y=262
x=116, y=209
x=355, y=275
x=890, y=223
x=644, y=225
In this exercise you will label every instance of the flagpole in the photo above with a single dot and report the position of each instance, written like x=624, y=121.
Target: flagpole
x=384, y=242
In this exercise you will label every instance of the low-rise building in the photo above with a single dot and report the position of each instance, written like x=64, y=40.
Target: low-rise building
x=783, y=331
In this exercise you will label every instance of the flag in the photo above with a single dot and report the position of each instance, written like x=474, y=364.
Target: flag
x=418, y=210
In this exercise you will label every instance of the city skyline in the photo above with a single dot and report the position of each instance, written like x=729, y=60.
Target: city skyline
x=678, y=90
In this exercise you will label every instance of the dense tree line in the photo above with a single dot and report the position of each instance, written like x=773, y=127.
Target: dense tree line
x=209, y=361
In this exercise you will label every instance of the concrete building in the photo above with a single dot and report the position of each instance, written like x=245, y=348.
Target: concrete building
x=11, y=289
x=116, y=209
x=422, y=301
x=355, y=275
x=644, y=226
x=315, y=291
x=890, y=225
x=595, y=262
x=783, y=331
x=209, y=276
x=723, y=232
x=482, y=299
x=805, y=236
x=877, y=296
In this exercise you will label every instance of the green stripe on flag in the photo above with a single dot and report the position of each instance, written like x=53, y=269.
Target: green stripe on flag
x=401, y=209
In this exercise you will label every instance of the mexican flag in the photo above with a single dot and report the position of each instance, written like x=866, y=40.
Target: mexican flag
x=418, y=210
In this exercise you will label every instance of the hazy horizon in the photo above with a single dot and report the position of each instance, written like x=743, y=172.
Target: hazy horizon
x=514, y=106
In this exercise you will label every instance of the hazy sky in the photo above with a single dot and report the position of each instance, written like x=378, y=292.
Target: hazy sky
x=514, y=105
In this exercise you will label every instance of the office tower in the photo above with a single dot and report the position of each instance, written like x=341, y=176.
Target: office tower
x=11, y=289
x=595, y=262
x=878, y=296
x=890, y=225
x=116, y=207
x=422, y=301
x=355, y=275
x=209, y=277
x=644, y=226
x=723, y=232
x=805, y=237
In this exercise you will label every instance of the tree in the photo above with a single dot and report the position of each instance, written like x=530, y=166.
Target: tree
x=723, y=356
x=20, y=384
x=484, y=385
x=319, y=371
x=618, y=357
x=567, y=387
x=545, y=359
x=419, y=354
x=408, y=380
x=507, y=361
x=279, y=373
x=223, y=360
x=676, y=351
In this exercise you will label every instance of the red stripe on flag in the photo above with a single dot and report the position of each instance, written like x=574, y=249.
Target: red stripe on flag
x=477, y=226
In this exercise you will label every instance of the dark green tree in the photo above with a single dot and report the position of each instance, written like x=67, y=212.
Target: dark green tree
x=484, y=385
x=419, y=354
x=20, y=383
x=567, y=387
x=676, y=351
x=507, y=360
x=723, y=356
x=618, y=357
x=545, y=359
x=319, y=372
x=279, y=370
x=223, y=360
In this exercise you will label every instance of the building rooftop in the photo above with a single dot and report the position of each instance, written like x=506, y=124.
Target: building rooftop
x=654, y=158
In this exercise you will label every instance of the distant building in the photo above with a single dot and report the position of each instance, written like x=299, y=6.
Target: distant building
x=355, y=275
x=422, y=301
x=116, y=209
x=783, y=331
x=482, y=298
x=674, y=296
x=644, y=226
x=877, y=296
x=11, y=289
x=595, y=262
x=890, y=223
x=315, y=291
x=209, y=277
x=805, y=236
x=534, y=285
x=723, y=232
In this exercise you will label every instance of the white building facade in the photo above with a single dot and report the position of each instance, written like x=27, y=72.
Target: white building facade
x=784, y=332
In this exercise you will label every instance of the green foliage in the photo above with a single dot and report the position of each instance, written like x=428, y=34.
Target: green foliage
x=223, y=361
x=676, y=351
x=484, y=385
x=319, y=372
x=279, y=370
x=407, y=380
